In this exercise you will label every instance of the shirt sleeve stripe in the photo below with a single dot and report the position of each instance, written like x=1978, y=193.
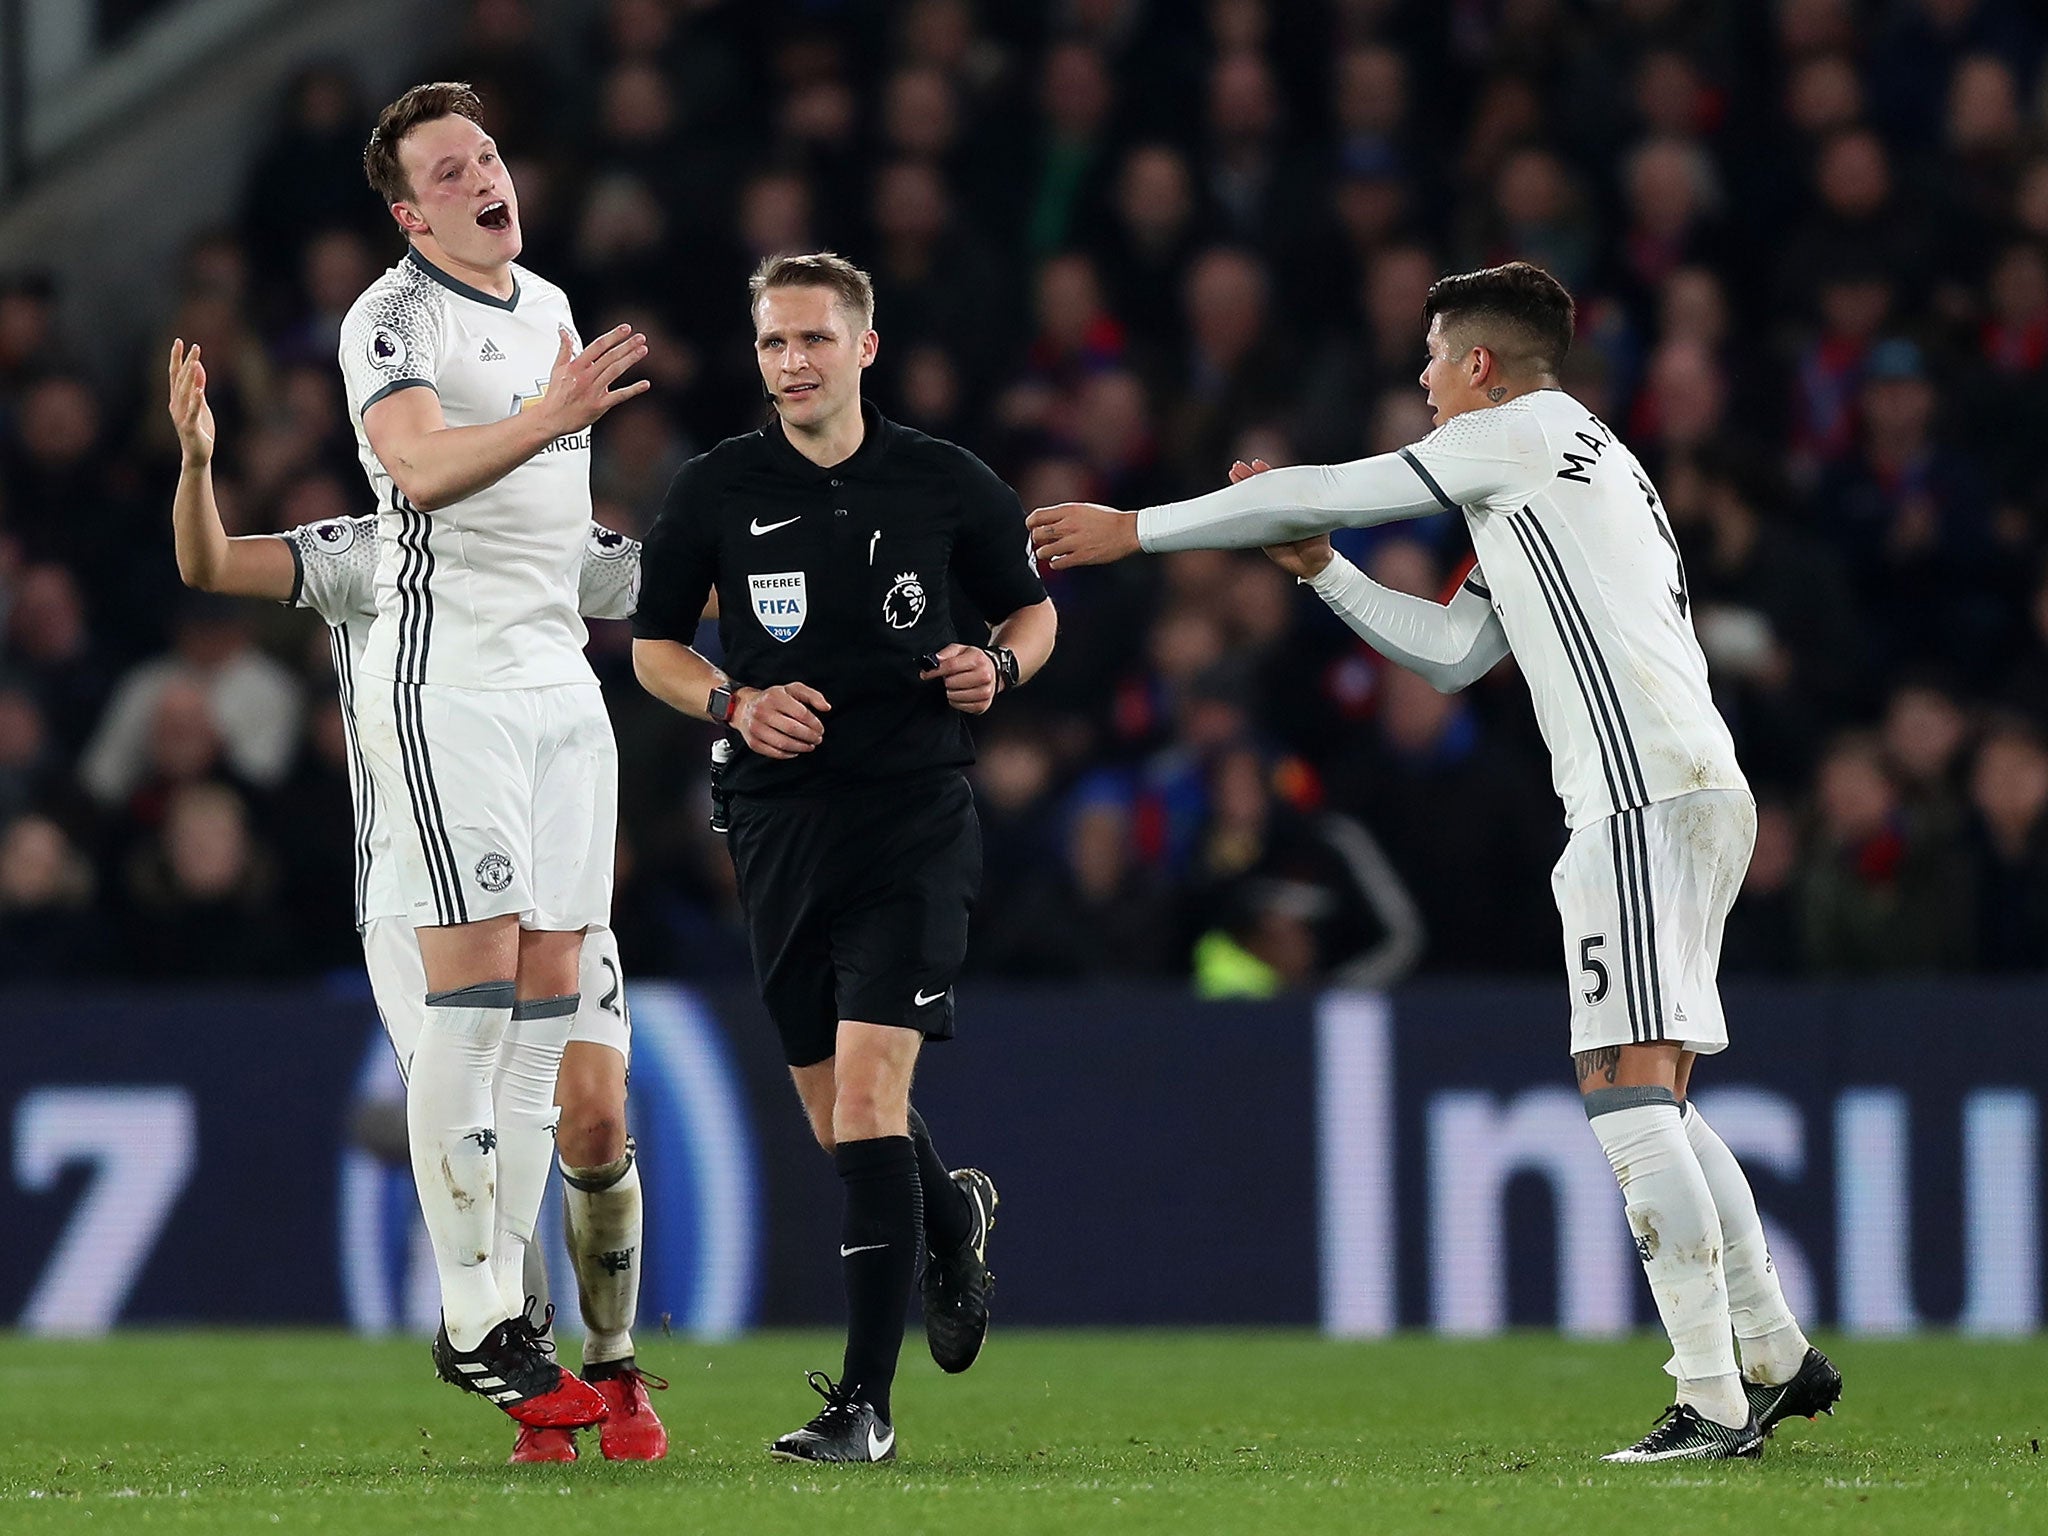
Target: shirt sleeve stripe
x=394, y=387
x=298, y=572
x=1429, y=480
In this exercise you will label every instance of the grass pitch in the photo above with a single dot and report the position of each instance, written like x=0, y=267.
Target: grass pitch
x=1073, y=1433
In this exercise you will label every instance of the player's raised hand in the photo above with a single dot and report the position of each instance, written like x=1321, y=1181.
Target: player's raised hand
x=782, y=722
x=1082, y=533
x=580, y=386
x=190, y=413
x=970, y=676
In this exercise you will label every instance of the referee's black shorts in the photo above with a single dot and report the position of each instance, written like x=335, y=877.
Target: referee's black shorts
x=857, y=904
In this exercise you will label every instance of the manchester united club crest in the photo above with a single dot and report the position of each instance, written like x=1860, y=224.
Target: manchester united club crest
x=903, y=606
x=494, y=872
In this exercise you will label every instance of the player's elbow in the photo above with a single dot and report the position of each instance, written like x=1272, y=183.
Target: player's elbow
x=420, y=493
x=199, y=573
x=1460, y=675
x=422, y=490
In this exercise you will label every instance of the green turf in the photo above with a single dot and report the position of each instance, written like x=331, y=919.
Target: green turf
x=1069, y=1433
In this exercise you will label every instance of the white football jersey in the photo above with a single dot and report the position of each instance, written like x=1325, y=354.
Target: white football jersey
x=1577, y=557
x=337, y=564
x=482, y=593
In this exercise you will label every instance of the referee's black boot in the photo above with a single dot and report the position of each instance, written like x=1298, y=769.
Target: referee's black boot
x=957, y=1286
x=846, y=1429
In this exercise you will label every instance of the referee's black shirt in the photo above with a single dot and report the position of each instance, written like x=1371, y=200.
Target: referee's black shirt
x=839, y=578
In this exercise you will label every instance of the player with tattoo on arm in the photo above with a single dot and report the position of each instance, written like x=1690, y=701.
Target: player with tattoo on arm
x=1580, y=577
x=330, y=567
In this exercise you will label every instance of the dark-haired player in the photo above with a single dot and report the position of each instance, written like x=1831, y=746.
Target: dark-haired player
x=1579, y=576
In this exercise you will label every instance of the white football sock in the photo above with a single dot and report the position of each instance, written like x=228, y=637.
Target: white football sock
x=1773, y=1348
x=1678, y=1237
x=529, y=1061
x=454, y=1141
x=601, y=1207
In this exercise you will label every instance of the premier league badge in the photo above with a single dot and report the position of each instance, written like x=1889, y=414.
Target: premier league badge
x=904, y=604
x=386, y=349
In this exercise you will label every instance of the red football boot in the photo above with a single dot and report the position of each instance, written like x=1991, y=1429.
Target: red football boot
x=515, y=1368
x=632, y=1431
x=543, y=1445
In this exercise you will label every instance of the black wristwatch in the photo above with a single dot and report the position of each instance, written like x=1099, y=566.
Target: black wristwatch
x=1006, y=667
x=722, y=703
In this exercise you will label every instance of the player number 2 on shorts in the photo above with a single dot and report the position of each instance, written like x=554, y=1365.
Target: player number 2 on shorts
x=1592, y=966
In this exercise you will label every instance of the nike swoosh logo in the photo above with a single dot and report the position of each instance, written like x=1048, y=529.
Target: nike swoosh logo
x=925, y=1002
x=878, y=1446
x=847, y=1253
x=757, y=527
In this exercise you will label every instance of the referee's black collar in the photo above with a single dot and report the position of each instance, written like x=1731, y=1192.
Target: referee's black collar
x=876, y=430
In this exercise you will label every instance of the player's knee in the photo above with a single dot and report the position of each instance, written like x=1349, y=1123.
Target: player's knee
x=590, y=1137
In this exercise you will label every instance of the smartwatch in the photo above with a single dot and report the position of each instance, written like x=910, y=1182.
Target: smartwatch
x=1006, y=666
x=721, y=704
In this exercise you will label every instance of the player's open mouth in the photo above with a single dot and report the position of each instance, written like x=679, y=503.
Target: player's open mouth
x=794, y=390
x=497, y=217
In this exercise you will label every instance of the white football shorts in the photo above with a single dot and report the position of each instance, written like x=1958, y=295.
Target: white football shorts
x=498, y=800
x=398, y=982
x=1644, y=897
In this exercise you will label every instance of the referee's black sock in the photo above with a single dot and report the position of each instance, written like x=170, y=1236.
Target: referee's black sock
x=880, y=1244
x=947, y=1221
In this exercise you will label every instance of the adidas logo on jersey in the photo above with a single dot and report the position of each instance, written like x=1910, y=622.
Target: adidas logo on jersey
x=490, y=353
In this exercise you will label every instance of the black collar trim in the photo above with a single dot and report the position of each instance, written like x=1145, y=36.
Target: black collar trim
x=874, y=444
x=455, y=285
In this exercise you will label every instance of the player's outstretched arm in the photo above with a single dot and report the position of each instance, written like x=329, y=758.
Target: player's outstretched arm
x=1450, y=646
x=258, y=566
x=434, y=464
x=1278, y=507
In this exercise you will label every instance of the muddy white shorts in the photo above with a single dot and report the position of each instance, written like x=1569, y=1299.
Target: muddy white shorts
x=497, y=800
x=1644, y=897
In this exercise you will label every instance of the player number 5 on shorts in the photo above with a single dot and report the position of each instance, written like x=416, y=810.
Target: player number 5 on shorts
x=1593, y=966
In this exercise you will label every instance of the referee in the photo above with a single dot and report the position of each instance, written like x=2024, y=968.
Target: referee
x=832, y=538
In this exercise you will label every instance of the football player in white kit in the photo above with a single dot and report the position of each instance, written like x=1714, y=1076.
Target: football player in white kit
x=478, y=717
x=330, y=567
x=1580, y=578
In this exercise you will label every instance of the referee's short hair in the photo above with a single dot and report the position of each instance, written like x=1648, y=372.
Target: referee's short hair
x=817, y=269
x=1518, y=310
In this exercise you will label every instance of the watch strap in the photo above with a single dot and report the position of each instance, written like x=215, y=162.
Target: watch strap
x=1007, y=671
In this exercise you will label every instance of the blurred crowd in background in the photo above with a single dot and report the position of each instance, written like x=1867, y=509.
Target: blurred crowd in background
x=1116, y=244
